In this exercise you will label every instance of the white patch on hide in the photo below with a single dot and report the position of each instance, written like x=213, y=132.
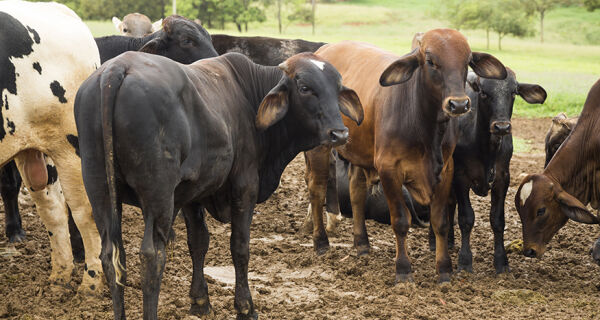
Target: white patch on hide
x=526, y=191
x=319, y=64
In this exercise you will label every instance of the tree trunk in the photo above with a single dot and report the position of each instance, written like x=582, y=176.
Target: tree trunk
x=499, y=41
x=542, y=26
x=314, y=4
x=487, y=36
x=174, y=7
x=239, y=27
x=246, y=26
x=279, y=14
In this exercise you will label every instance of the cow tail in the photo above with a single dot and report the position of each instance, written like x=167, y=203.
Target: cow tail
x=110, y=83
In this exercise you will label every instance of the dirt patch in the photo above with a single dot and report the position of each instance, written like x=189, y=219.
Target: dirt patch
x=289, y=282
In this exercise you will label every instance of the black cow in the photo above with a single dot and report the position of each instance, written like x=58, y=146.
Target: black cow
x=263, y=50
x=206, y=141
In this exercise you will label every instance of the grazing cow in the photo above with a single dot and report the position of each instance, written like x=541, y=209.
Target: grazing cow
x=559, y=130
x=482, y=159
x=206, y=140
x=408, y=134
x=136, y=25
x=263, y=50
x=39, y=76
x=180, y=39
x=546, y=201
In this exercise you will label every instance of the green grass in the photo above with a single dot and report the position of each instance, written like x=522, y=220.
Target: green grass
x=521, y=145
x=566, y=65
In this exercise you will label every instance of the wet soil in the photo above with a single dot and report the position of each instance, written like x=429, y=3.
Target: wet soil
x=288, y=281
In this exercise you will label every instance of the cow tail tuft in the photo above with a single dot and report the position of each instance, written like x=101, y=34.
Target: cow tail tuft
x=110, y=83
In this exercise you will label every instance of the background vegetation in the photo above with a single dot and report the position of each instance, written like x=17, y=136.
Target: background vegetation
x=567, y=64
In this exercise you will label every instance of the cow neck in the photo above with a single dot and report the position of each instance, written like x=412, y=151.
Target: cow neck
x=135, y=44
x=575, y=166
x=430, y=116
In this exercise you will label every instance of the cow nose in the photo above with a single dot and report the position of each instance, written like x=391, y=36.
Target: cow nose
x=501, y=127
x=459, y=106
x=530, y=253
x=338, y=137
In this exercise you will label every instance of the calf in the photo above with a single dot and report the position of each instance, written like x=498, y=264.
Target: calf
x=37, y=95
x=559, y=131
x=569, y=182
x=136, y=25
x=216, y=134
x=408, y=136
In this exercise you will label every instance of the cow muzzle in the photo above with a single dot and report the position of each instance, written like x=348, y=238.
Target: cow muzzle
x=338, y=137
x=455, y=107
x=500, y=128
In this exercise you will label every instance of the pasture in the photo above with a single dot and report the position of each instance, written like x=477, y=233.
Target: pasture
x=288, y=281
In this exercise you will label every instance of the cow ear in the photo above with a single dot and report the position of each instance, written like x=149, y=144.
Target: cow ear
x=117, y=22
x=153, y=46
x=350, y=105
x=473, y=81
x=400, y=70
x=559, y=118
x=157, y=25
x=487, y=66
x=574, y=209
x=532, y=93
x=273, y=107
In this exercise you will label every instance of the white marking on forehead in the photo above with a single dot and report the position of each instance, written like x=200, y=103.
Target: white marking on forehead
x=526, y=191
x=319, y=64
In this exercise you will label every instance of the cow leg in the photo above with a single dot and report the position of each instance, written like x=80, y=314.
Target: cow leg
x=332, y=205
x=51, y=207
x=76, y=240
x=596, y=252
x=441, y=223
x=68, y=166
x=198, y=239
x=358, y=197
x=451, y=212
x=391, y=181
x=466, y=219
x=10, y=185
x=244, y=198
x=499, y=189
x=317, y=173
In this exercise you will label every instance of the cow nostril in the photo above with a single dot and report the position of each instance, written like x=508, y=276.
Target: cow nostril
x=338, y=136
x=502, y=127
x=459, y=106
x=529, y=253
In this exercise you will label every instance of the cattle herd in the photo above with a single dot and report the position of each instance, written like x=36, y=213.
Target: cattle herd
x=173, y=119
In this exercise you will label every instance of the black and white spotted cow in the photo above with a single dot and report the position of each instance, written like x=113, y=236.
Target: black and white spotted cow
x=47, y=53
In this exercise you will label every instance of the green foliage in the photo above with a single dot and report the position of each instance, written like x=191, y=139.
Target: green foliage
x=217, y=13
x=508, y=17
x=591, y=5
x=106, y=9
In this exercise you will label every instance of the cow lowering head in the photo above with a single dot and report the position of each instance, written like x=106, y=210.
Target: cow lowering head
x=136, y=25
x=181, y=40
x=443, y=56
x=558, y=132
x=311, y=93
x=496, y=99
x=544, y=207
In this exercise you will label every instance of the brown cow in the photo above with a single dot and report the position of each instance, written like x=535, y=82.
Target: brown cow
x=408, y=133
x=558, y=132
x=561, y=192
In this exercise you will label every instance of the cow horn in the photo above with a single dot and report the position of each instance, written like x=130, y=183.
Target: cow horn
x=284, y=67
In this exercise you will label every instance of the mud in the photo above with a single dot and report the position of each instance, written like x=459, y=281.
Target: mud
x=289, y=281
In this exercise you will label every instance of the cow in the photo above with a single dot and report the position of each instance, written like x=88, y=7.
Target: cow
x=136, y=25
x=171, y=42
x=180, y=39
x=216, y=134
x=408, y=135
x=263, y=50
x=546, y=201
x=39, y=76
x=560, y=128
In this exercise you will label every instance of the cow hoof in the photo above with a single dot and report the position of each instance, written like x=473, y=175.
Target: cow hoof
x=466, y=267
x=91, y=286
x=61, y=279
x=322, y=249
x=18, y=236
x=502, y=269
x=362, y=250
x=404, y=278
x=201, y=307
x=9, y=250
x=252, y=316
x=444, y=277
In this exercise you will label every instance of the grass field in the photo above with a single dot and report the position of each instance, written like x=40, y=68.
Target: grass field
x=564, y=65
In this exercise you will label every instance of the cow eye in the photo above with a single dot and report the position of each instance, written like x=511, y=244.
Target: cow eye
x=305, y=90
x=541, y=212
x=125, y=30
x=186, y=41
x=483, y=95
x=430, y=63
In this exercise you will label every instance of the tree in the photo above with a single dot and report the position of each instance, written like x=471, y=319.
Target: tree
x=470, y=14
x=508, y=17
x=542, y=6
x=591, y=5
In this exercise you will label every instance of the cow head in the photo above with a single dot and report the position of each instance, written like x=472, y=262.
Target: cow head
x=443, y=57
x=311, y=93
x=136, y=25
x=559, y=131
x=181, y=40
x=495, y=99
x=544, y=207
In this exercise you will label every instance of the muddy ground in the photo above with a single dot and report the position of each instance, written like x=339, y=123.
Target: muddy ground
x=289, y=282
